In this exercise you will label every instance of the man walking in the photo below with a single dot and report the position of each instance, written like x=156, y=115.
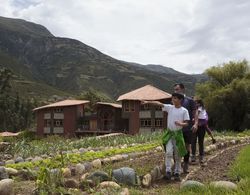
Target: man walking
x=189, y=104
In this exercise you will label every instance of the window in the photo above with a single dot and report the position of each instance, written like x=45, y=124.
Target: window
x=158, y=122
x=58, y=110
x=58, y=123
x=145, y=122
x=47, y=123
x=126, y=106
x=129, y=106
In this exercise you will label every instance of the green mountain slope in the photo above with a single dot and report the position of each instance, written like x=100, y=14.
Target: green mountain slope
x=67, y=66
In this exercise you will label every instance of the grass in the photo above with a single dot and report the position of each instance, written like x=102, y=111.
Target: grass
x=241, y=167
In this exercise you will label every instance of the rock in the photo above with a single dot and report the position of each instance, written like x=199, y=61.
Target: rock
x=124, y=191
x=221, y=145
x=156, y=173
x=9, y=162
x=207, y=149
x=191, y=184
x=134, y=155
x=29, y=159
x=97, y=163
x=2, y=163
x=19, y=159
x=98, y=176
x=107, y=184
x=84, y=177
x=88, y=166
x=44, y=156
x=75, y=151
x=7, y=187
x=233, y=142
x=106, y=160
x=118, y=157
x=224, y=184
x=147, y=180
x=113, y=159
x=159, y=149
x=213, y=147
x=3, y=173
x=71, y=183
x=82, y=150
x=80, y=169
x=66, y=172
x=11, y=171
x=125, y=175
x=37, y=158
x=124, y=146
x=125, y=156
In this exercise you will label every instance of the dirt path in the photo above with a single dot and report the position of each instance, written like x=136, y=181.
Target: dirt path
x=218, y=167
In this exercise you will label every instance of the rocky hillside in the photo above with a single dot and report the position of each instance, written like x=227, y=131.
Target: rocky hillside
x=67, y=66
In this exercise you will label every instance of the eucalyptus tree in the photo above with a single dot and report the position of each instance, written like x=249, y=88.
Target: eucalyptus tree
x=227, y=95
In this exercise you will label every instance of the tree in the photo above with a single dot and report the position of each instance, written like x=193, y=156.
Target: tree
x=15, y=113
x=227, y=95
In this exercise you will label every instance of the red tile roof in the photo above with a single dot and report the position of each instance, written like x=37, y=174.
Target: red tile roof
x=110, y=104
x=63, y=103
x=147, y=92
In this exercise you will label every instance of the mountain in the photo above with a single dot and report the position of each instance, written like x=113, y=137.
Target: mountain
x=66, y=66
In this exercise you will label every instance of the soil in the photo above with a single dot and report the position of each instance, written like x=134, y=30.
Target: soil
x=218, y=167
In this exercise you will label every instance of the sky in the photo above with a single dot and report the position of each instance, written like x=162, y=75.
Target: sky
x=187, y=35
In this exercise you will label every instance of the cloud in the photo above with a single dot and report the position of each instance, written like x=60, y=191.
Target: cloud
x=189, y=36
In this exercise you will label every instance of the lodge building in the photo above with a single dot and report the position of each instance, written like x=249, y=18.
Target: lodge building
x=71, y=117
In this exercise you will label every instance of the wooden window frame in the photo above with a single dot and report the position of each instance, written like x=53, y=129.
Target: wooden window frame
x=145, y=122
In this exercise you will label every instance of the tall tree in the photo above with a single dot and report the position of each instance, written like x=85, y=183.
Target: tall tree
x=15, y=113
x=227, y=95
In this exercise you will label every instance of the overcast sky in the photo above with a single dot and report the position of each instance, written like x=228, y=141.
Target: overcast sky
x=187, y=35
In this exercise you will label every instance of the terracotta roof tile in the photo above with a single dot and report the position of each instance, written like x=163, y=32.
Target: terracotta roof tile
x=63, y=103
x=147, y=92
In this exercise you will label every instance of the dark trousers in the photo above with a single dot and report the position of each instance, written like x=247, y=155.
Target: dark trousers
x=200, y=134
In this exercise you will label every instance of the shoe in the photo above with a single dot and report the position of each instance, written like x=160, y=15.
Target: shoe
x=177, y=177
x=213, y=141
x=201, y=159
x=185, y=167
x=168, y=176
x=193, y=158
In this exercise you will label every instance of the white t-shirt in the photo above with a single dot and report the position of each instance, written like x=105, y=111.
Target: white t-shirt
x=175, y=114
x=202, y=114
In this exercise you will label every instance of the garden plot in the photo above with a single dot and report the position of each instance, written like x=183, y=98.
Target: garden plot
x=141, y=157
